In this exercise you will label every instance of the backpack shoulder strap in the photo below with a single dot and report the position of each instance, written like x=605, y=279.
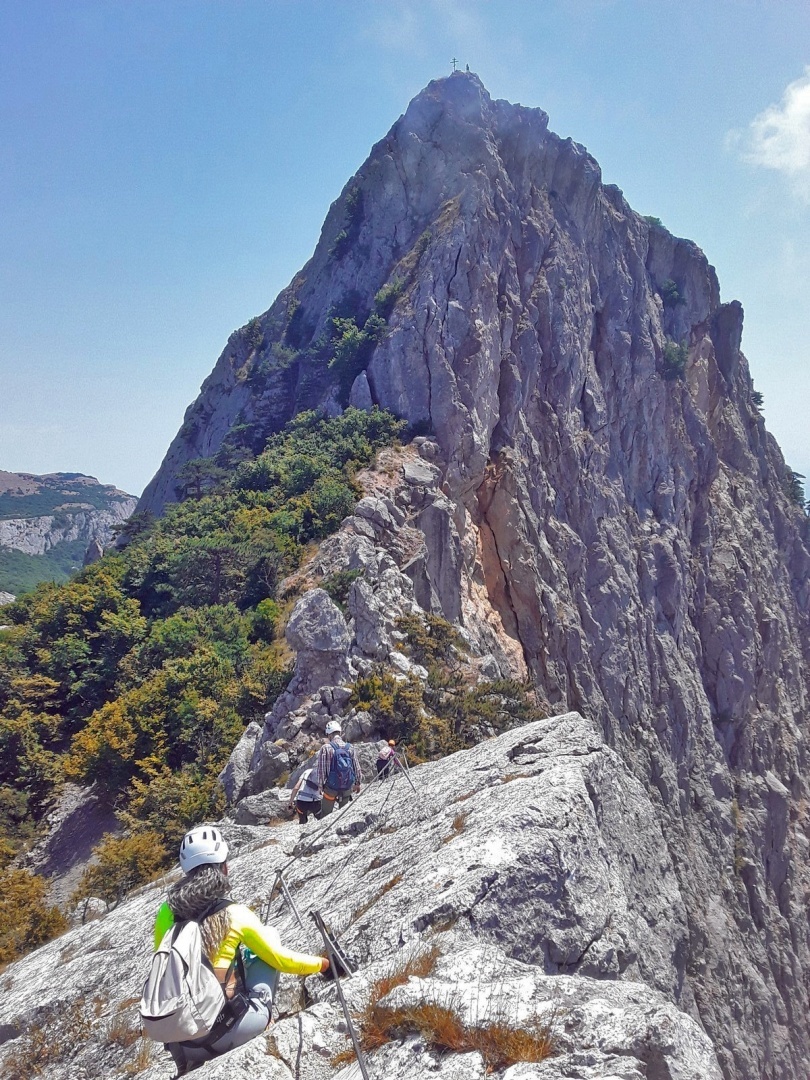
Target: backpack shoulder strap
x=216, y=907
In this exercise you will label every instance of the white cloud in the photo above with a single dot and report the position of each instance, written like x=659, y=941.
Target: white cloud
x=398, y=26
x=779, y=137
x=415, y=27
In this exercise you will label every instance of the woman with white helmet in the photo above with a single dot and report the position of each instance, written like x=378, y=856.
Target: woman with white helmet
x=203, y=894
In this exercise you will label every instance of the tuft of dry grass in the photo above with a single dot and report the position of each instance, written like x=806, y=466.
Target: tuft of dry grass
x=380, y=893
x=498, y=1039
x=58, y=1033
x=457, y=826
x=465, y=796
x=124, y=1029
x=372, y=1020
x=420, y=965
x=440, y=1025
x=142, y=1060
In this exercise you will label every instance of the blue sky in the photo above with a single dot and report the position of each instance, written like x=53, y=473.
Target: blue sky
x=165, y=168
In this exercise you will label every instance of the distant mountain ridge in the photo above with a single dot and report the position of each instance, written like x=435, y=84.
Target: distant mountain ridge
x=47, y=522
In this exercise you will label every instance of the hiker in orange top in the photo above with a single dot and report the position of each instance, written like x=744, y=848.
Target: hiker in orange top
x=229, y=926
x=338, y=769
x=387, y=760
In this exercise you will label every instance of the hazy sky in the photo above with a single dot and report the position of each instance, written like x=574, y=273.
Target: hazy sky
x=165, y=168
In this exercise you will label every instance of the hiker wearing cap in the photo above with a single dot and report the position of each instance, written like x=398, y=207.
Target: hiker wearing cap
x=386, y=759
x=305, y=797
x=338, y=770
x=204, y=896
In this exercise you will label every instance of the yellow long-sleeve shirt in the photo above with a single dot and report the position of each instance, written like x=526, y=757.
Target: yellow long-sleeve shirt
x=246, y=928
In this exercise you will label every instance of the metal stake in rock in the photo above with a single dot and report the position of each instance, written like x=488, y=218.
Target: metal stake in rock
x=338, y=960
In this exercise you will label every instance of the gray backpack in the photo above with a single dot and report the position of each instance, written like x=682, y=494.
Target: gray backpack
x=182, y=997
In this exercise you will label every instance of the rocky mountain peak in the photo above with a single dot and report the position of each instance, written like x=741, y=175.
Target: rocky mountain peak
x=598, y=508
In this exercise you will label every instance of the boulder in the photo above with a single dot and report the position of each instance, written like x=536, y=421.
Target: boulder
x=317, y=625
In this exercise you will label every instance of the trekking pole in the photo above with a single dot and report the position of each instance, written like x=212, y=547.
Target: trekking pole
x=335, y=953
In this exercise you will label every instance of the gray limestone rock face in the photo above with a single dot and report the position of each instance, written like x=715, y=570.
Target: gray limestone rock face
x=376, y=601
x=235, y=774
x=532, y=865
x=619, y=537
x=317, y=625
x=93, y=553
x=35, y=536
x=360, y=394
x=77, y=822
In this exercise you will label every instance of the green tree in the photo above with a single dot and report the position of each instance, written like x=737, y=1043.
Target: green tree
x=671, y=294
x=674, y=360
x=122, y=863
x=794, y=488
x=26, y=918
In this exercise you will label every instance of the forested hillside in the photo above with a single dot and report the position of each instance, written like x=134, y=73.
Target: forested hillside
x=47, y=522
x=140, y=673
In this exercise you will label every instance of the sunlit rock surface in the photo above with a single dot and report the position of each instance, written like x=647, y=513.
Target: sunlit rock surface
x=533, y=862
x=621, y=537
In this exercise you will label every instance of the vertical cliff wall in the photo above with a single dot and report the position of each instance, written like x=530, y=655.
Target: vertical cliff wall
x=608, y=486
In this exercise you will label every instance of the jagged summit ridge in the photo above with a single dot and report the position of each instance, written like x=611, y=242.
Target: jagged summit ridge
x=462, y=189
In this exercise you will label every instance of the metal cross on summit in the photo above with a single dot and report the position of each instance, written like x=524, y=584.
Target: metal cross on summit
x=454, y=62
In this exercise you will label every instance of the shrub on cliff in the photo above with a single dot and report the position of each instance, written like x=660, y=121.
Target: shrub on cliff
x=671, y=294
x=674, y=360
x=794, y=488
x=448, y=712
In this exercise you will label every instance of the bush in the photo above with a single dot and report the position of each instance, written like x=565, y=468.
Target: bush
x=352, y=348
x=338, y=585
x=265, y=619
x=431, y=639
x=674, y=360
x=26, y=918
x=353, y=210
x=447, y=713
x=254, y=335
x=123, y=863
x=671, y=294
x=386, y=298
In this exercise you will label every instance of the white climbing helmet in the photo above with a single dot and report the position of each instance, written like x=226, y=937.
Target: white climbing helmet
x=333, y=727
x=205, y=844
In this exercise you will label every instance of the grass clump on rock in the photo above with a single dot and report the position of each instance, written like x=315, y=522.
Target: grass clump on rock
x=499, y=1040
